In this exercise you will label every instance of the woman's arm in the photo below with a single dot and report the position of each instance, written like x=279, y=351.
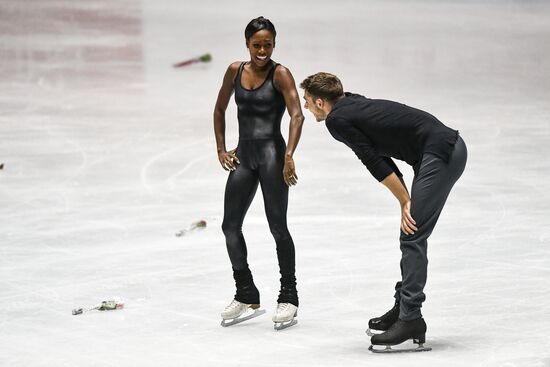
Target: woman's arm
x=227, y=159
x=284, y=82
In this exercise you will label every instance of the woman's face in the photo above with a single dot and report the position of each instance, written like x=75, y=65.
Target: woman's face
x=260, y=46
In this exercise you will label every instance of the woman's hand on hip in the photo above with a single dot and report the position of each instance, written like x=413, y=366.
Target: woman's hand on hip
x=228, y=160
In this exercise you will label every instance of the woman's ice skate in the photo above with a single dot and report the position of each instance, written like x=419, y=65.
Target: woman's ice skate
x=237, y=312
x=284, y=316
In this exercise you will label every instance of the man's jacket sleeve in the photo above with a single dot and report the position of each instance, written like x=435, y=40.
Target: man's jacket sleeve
x=344, y=131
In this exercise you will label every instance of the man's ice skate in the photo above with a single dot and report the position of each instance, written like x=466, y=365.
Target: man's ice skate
x=284, y=316
x=400, y=332
x=383, y=322
x=237, y=312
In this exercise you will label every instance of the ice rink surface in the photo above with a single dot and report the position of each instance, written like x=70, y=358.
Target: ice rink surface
x=108, y=151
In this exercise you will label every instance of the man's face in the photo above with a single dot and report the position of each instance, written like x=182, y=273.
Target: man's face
x=314, y=106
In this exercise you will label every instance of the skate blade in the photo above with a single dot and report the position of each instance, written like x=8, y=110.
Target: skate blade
x=285, y=324
x=238, y=320
x=389, y=349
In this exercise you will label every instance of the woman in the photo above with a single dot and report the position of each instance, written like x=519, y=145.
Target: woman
x=262, y=90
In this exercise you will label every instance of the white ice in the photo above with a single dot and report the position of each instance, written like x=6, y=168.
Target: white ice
x=109, y=151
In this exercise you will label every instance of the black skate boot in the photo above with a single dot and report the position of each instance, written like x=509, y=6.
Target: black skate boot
x=400, y=332
x=385, y=321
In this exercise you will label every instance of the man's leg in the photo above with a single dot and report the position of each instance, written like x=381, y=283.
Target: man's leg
x=430, y=189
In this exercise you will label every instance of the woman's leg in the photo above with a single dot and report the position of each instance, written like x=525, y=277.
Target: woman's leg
x=275, y=194
x=239, y=191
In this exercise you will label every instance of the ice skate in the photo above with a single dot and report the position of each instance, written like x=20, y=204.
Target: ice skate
x=383, y=322
x=284, y=316
x=400, y=332
x=237, y=312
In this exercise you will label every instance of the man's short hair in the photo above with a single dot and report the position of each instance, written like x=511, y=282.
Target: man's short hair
x=323, y=85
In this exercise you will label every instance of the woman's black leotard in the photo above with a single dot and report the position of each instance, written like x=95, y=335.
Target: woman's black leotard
x=261, y=152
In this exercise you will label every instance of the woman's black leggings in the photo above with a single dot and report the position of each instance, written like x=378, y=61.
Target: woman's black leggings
x=261, y=161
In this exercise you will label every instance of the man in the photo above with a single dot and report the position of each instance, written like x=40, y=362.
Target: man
x=376, y=131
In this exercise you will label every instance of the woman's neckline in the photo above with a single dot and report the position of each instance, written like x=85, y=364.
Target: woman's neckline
x=262, y=84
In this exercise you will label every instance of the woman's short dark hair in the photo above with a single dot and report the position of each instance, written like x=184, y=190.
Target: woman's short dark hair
x=258, y=24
